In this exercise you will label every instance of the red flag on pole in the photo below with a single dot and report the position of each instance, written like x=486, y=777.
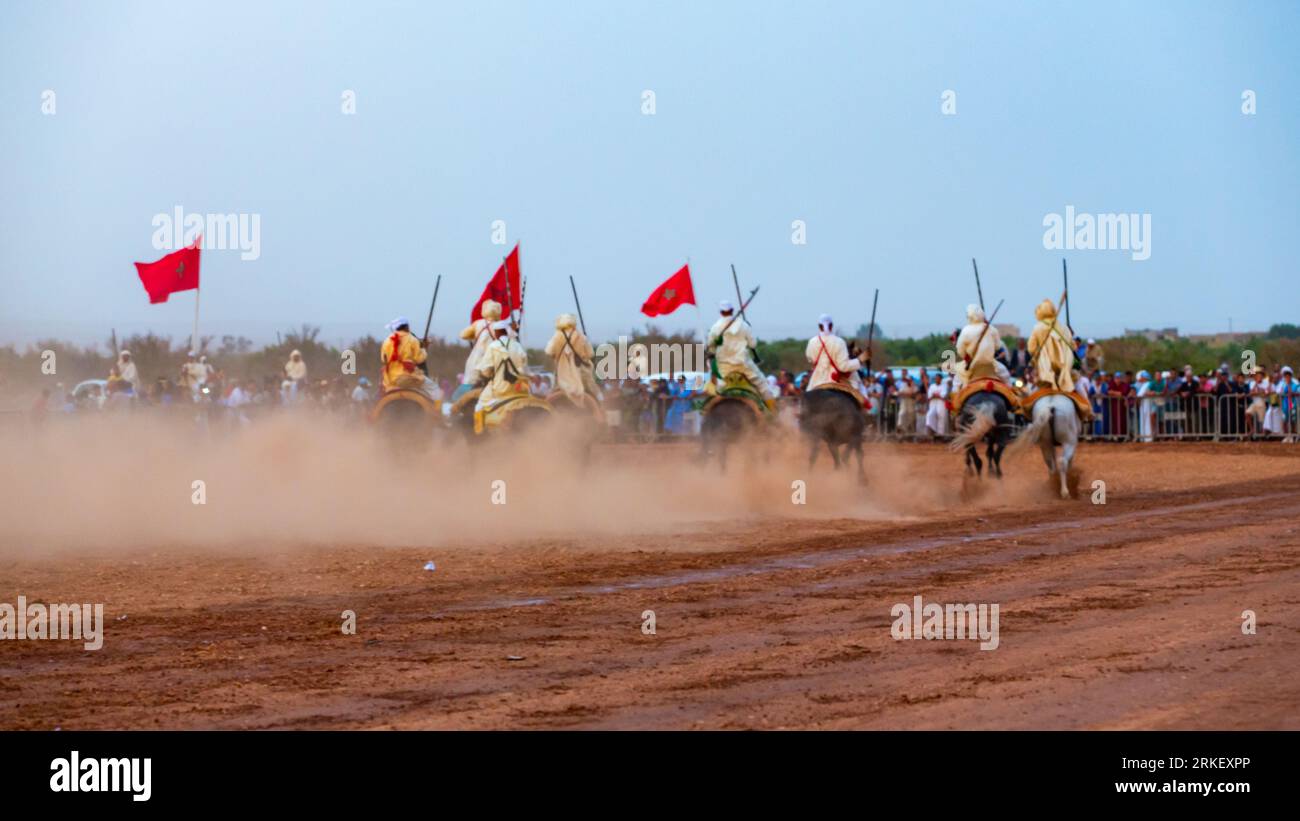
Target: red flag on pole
x=675, y=291
x=496, y=288
x=178, y=271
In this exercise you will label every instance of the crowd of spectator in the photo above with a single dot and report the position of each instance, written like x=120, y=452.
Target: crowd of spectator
x=903, y=402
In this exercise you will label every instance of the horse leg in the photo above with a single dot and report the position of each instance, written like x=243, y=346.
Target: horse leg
x=1067, y=457
x=973, y=459
x=835, y=453
x=857, y=452
x=1049, y=454
x=812, y=454
x=995, y=457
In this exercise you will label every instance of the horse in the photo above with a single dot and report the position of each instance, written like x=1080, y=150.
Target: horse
x=1055, y=423
x=985, y=416
x=527, y=413
x=582, y=420
x=833, y=417
x=406, y=416
x=727, y=420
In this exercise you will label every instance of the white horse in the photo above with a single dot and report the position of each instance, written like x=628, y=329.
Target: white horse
x=1055, y=424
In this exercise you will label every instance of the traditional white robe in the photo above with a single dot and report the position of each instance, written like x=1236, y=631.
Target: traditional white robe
x=479, y=335
x=733, y=354
x=571, y=376
x=129, y=373
x=983, y=361
x=500, y=358
x=936, y=415
x=827, y=352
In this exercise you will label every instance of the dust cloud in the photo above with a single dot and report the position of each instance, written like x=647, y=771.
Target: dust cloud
x=297, y=479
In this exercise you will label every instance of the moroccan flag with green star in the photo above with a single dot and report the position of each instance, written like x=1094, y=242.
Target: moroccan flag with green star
x=675, y=292
x=178, y=271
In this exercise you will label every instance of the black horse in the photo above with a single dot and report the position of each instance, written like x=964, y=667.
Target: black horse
x=984, y=417
x=833, y=417
x=725, y=423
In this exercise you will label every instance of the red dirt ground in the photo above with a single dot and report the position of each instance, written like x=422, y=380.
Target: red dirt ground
x=1126, y=614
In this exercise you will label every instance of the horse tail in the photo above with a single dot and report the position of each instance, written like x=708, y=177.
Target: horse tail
x=979, y=427
x=1032, y=433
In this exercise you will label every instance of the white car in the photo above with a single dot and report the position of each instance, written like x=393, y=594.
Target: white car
x=90, y=394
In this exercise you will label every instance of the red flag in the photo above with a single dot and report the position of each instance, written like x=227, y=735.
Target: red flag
x=496, y=288
x=676, y=291
x=178, y=271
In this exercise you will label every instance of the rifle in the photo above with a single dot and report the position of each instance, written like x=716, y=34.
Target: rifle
x=581, y=321
x=735, y=279
x=978, y=289
x=1065, y=273
x=510, y=301
x=713, y=355
x=871, y=330
x=424, y=366
x=988, y=323
x=428, y=321
x=738, y=314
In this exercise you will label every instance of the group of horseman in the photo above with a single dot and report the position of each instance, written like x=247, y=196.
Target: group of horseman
x=981, y=363
x=497, y=364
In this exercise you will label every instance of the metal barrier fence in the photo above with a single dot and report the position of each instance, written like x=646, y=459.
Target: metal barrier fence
x=1195, y=417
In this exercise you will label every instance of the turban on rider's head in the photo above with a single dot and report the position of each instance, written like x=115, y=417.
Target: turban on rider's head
x=974, y=313
x=394, y=324
x=725, y=306
x=824, y=322
x=566, y=322
x=1045, y=311
x=491, y=309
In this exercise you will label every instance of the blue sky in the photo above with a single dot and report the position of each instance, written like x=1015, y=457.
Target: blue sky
x=765, y=113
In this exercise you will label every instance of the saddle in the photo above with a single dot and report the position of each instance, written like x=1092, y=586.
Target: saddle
x=845, y=389
x=990, y=385
x=499, y=414
x=1080, y=404
x=588, y=403
x=431, y=408
x=736, y=386
x=466, y=401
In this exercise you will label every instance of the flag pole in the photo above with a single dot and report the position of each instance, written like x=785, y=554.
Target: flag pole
x=699, y=317
x=194, y=337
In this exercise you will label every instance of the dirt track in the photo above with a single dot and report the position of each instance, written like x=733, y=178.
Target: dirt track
x=1122, y=615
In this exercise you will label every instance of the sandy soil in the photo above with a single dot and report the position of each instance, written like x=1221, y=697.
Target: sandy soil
x=1126, y=614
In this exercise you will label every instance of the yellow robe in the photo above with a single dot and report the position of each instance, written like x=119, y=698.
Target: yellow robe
x=502, y=357
x=479, y=336
x=571, y=376
x=1055, y=358
x=399, y=361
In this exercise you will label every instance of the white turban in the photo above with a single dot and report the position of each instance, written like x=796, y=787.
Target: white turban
x=974, y=313
x=825, y=321
x=397, y=323
x=725, y=305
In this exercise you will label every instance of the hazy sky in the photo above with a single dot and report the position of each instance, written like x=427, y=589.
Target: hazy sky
x=532, y=113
